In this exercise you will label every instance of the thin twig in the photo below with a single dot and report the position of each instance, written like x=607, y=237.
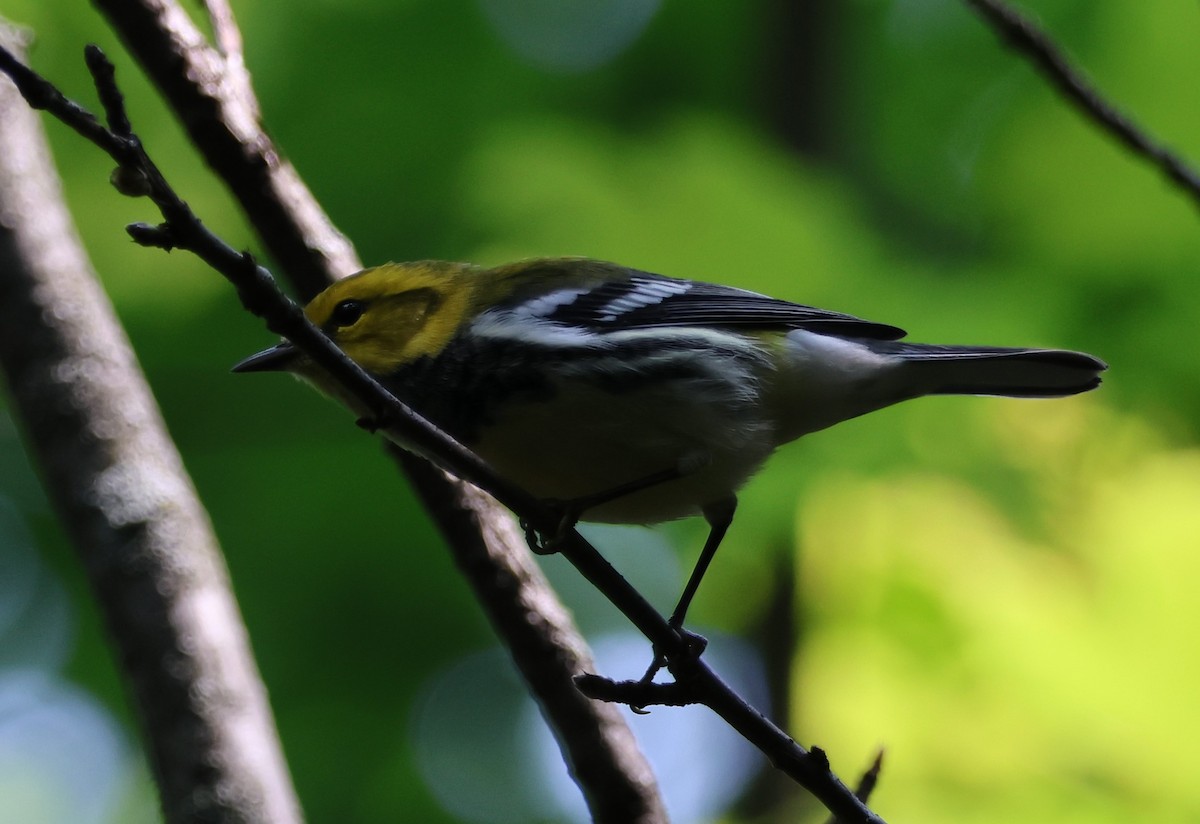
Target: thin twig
x=228, y=39
x=1023, y=35
x=639, y=693
x=256, y=287
x=226, y=34
x=870, y=778
x=110, y=96
x=220, y=113
x=212, y=95
x=867, y=783
x=128, y=506
x=623, y=788
x=548, y=650
x=403, y=426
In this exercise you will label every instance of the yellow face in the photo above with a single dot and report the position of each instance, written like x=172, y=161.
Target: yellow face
x=394, y=314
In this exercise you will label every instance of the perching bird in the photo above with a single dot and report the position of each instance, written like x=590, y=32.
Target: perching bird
x=642, y=398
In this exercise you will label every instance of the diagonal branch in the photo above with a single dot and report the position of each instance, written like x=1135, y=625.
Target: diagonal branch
x=547, y=649
x=1023, y=35
x=523, y=609
x=211, y=91
x=611, y=770
x=127, y=504
x=404, y=427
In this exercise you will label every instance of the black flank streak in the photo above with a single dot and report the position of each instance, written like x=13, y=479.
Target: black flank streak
x=455, y=394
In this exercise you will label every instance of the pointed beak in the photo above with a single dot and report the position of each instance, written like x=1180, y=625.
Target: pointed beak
x=279, y=358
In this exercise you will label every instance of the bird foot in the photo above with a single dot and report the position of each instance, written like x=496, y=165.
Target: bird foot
x=542, y=543
x=693, y=647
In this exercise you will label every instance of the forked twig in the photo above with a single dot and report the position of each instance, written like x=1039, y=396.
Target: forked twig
x=1023, y=35
x=402, y=425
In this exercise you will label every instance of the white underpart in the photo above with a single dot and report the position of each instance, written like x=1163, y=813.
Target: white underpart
x=586, y=438
x=719, y=424
x=646, y=293
x=826, y=379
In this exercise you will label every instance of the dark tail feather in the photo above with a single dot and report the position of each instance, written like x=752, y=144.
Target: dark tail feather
x=989, y=370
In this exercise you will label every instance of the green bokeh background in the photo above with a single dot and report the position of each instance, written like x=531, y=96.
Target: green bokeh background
x=1000, y=593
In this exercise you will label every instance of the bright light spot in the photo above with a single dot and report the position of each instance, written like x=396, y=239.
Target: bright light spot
x=487, y=755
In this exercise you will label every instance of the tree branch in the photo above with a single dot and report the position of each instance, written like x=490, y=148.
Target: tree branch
x=523, y=609
x=1023, y=35
x=604, y=758
x=404, y=427
x=614, y=777
x=128, y=506
x=211, y=92
x=866, y=783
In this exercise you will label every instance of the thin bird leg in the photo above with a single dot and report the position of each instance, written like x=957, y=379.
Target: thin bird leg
x=574, y=508
x=719, y=516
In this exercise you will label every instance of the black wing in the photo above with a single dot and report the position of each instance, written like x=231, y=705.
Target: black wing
x=644, y=300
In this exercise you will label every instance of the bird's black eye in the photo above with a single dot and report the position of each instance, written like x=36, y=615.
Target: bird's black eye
x=346, y=313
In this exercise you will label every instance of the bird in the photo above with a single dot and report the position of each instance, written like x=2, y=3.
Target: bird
x=636, y=398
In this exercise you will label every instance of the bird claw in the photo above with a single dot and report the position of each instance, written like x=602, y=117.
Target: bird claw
x=694, y=645
x=547, y=544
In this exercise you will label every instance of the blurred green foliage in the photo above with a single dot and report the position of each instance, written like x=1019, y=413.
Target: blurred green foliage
x=998, y=592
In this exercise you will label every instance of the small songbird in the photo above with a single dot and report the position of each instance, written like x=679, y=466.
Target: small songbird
x=639, y=397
